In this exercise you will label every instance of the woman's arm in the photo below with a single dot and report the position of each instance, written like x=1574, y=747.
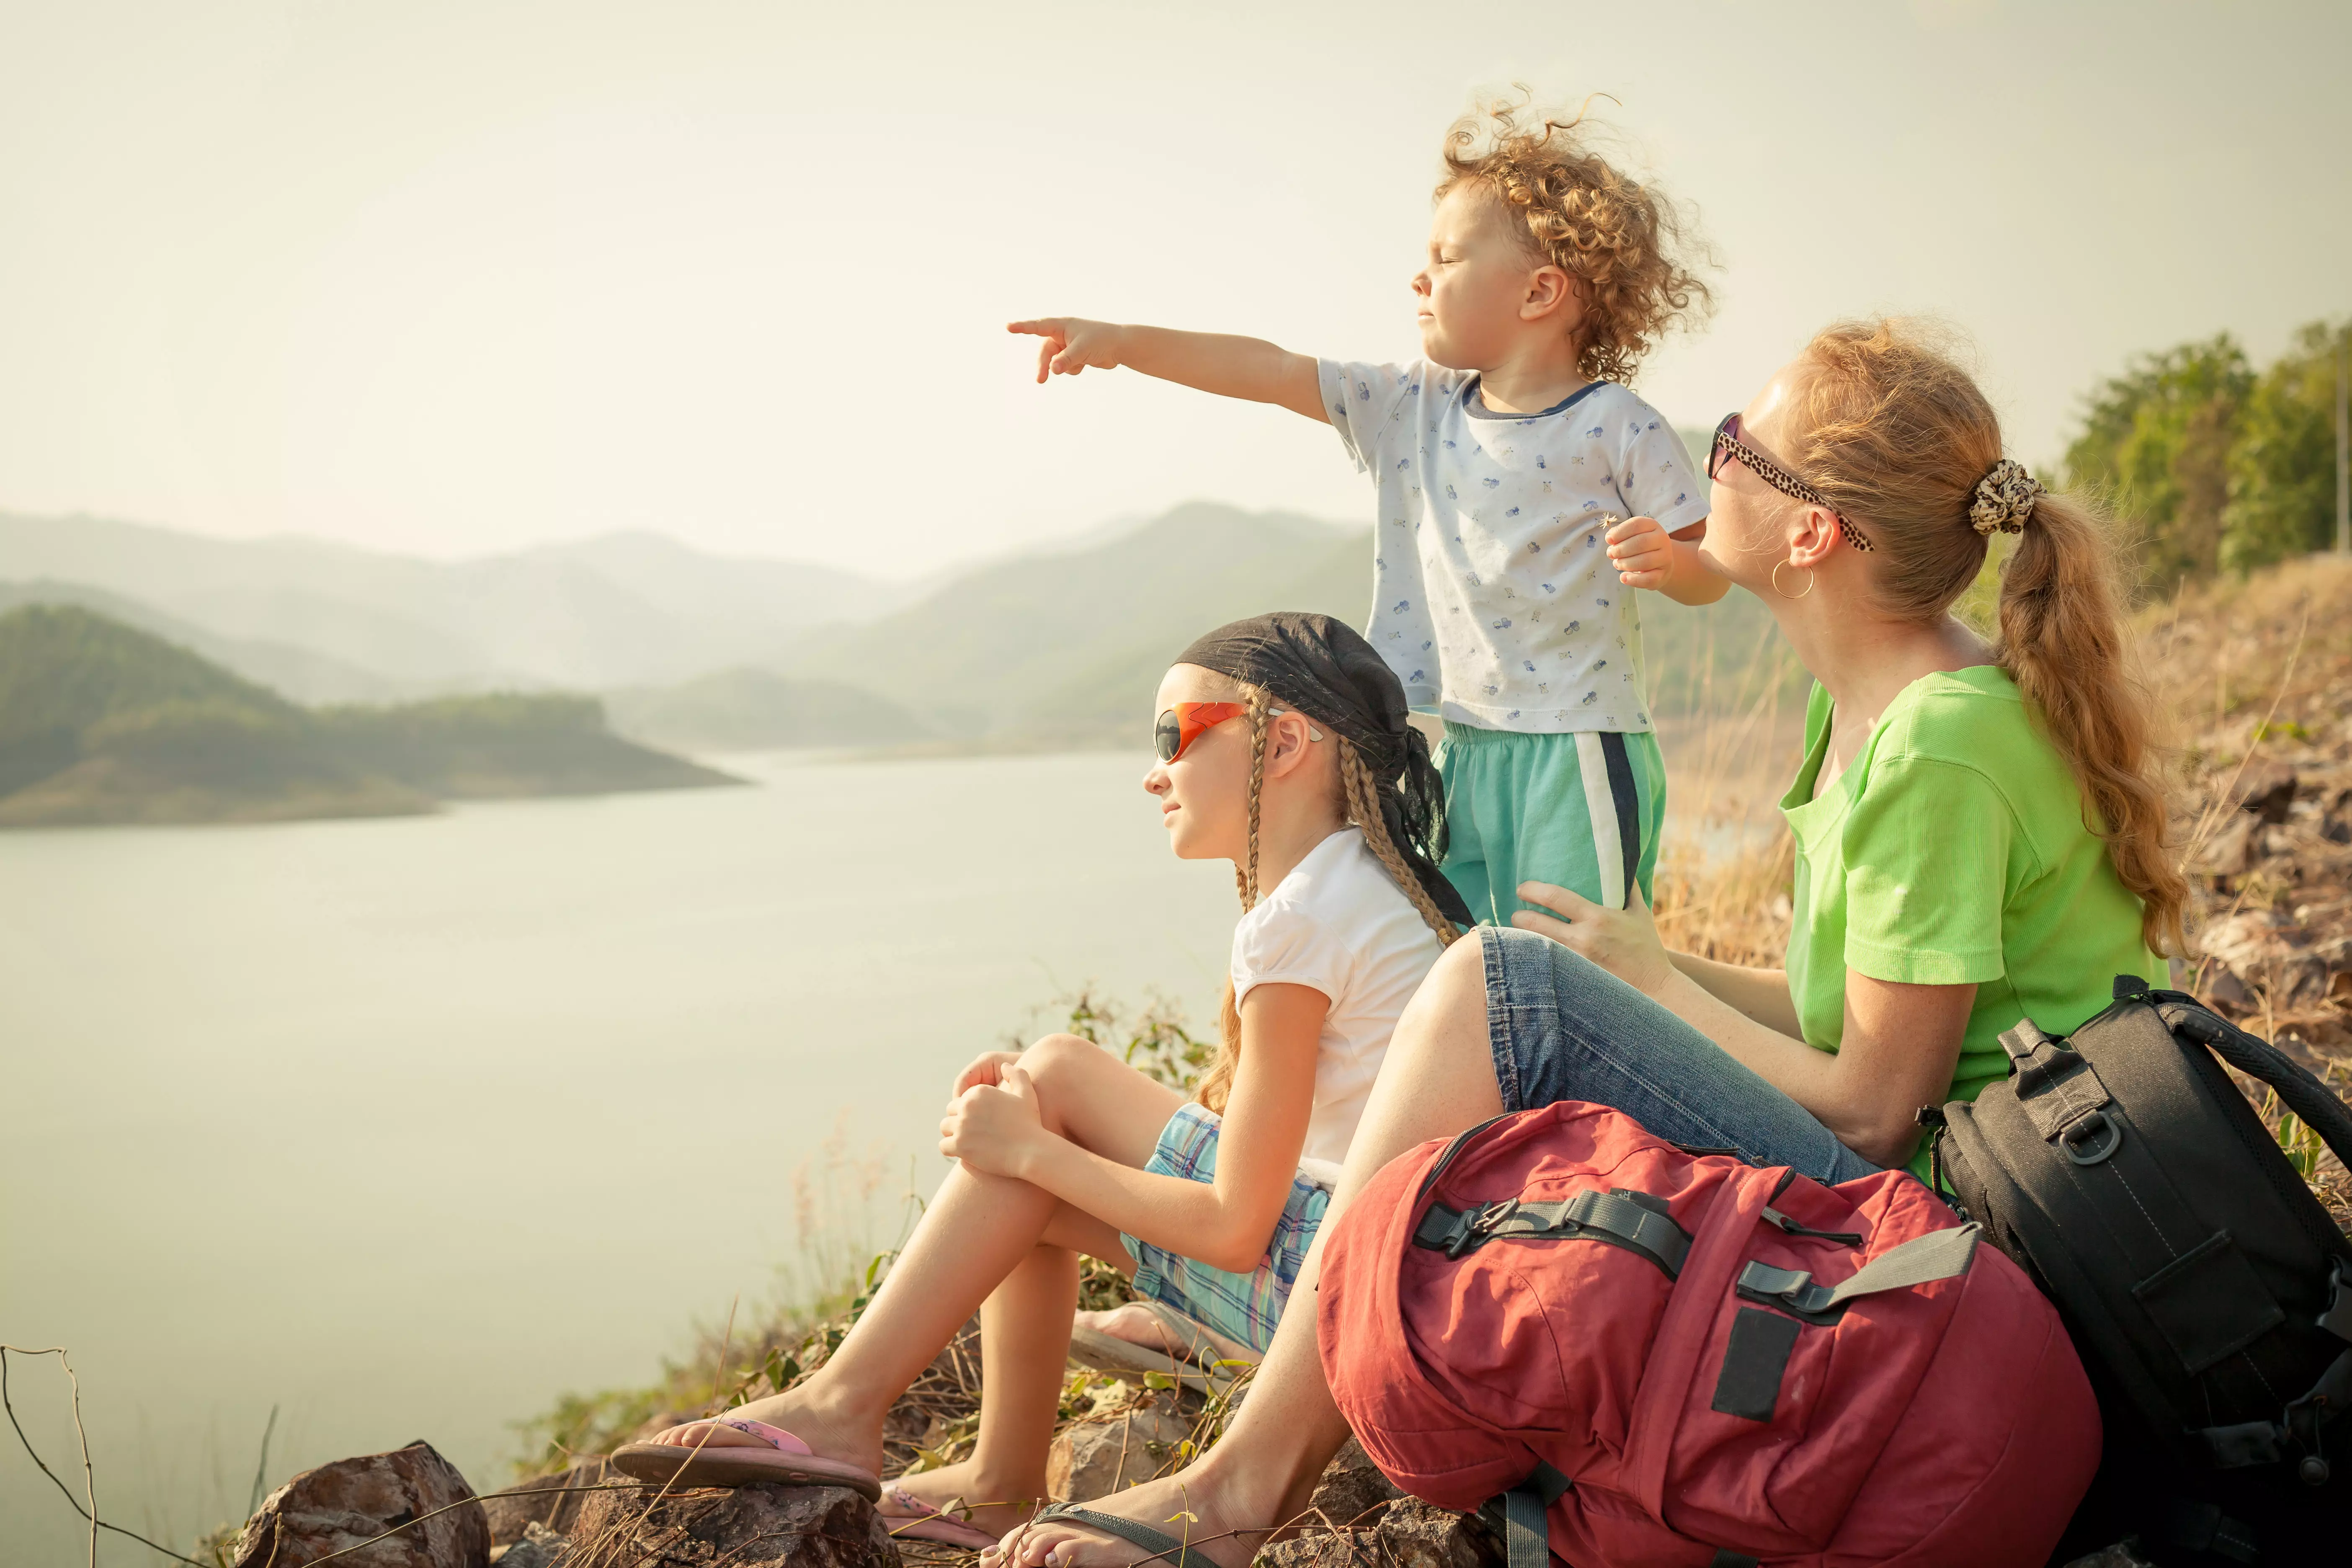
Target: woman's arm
x=999, y=1130
x=1761, y=993
x=1897, y=1054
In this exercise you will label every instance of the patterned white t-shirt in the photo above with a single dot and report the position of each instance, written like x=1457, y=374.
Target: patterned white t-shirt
x=1493, y=599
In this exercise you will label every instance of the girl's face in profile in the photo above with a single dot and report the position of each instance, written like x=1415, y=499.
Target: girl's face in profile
x=1204, y=794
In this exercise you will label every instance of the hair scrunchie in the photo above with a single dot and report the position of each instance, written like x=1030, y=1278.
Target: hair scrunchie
x=2005, y=499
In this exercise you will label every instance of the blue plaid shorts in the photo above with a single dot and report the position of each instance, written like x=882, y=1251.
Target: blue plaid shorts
x=1244, y=1307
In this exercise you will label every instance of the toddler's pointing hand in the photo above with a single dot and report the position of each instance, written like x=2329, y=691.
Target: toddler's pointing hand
x=1641, y=551
x=1071, y=344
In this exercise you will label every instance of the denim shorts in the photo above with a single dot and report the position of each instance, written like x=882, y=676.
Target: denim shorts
x=1562, y=1028
x=1244, y=1307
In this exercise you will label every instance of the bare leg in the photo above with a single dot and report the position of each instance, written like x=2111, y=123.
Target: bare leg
x=1438, y=1078
x=979, y=1232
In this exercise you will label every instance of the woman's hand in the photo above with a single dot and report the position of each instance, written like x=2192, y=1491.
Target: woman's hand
x=988, y=1067
x=1622, y=941
x=992, y=1128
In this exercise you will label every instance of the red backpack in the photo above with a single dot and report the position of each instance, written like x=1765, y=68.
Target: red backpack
x=1745, y=1366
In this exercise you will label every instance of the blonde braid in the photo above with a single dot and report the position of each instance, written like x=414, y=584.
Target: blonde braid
x=1258, y=704
x=1364, y=808
x=1217, y=1083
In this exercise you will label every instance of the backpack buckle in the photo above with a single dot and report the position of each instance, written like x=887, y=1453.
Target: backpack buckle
x=1451, y=1231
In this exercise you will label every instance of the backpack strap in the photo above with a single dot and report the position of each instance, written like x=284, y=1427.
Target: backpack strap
x=1526, y=1539
x=1923, y=1259
x=2313, y=1101
x=1638, y=1222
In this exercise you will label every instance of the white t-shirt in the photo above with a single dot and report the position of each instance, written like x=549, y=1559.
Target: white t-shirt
x=1339, y=924
x=1493, y=599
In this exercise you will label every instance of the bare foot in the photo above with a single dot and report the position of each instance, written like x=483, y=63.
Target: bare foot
x=1225, y=1528
x=1140, y=1325
x=991, y=1503
x=827, y=1433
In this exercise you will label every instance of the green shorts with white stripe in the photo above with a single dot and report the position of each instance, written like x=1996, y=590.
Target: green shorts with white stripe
x=1582, y=811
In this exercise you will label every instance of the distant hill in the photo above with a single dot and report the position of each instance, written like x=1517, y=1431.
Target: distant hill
x=103, y=723
x=623, y=610
x=1067, y=647
x=758, y=710
x=288, y=668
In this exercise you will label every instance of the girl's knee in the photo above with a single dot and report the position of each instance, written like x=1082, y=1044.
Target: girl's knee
x=1056, y=1057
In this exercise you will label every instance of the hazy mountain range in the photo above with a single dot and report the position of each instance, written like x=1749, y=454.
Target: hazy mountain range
x=705, y=653
x=624, y=609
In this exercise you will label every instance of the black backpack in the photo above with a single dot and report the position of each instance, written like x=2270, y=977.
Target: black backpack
x=2207, y=1292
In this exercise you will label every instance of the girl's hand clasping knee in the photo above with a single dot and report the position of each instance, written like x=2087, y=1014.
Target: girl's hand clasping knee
x=992, y=1128
x=987, y=1069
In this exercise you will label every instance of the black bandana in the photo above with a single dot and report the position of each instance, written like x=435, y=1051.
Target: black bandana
x=1323, y=668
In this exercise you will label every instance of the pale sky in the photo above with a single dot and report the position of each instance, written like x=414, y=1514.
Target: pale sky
x=458, y=277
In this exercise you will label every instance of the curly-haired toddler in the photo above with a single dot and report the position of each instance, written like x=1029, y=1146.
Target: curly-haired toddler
x=1523, y=490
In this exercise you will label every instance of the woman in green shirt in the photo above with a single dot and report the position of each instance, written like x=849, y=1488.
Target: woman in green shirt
x=1978, y=837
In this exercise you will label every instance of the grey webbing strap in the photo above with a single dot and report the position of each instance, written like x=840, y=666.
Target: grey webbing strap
x=1616, y=1219
x=1940, y=1255
x=1527, y=1538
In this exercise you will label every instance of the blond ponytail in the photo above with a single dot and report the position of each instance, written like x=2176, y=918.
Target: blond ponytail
x=2062, y=640
x=1899, y=440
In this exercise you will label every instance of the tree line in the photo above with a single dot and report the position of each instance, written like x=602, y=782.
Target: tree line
x=2221, y=467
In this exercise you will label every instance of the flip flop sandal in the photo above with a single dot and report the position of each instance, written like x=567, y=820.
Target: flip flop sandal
x=909, y=1518
x=1155, y=1543
x=786, y=1461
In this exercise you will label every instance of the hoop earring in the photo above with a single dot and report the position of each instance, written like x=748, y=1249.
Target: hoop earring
x=1783, y=591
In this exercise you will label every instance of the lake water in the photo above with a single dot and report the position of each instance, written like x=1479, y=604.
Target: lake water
x=407, y=1127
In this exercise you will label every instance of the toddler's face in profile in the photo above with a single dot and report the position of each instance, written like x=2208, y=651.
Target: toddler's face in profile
x=1482, y=290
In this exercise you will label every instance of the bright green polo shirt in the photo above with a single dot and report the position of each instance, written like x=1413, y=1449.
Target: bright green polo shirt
x=1955, y=849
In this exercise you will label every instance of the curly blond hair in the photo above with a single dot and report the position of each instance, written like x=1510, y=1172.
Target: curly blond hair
x=1620, y=239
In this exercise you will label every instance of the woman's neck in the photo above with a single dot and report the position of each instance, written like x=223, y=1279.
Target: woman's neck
x=1865, y=660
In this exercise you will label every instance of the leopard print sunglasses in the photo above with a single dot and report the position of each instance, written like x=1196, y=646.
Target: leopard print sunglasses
x=1728, y=445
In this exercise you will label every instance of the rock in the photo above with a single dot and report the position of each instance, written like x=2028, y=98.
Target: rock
x=742, y=1527
x=1095, y=1458
x=536, y=1501
x=338, y=1505
x=2268, y=792
x=539, y=1548
x=2228, y=993
x=1351, y=1489
x=1412, y=1534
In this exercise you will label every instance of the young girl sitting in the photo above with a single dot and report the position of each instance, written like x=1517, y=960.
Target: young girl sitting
x=1284, y=747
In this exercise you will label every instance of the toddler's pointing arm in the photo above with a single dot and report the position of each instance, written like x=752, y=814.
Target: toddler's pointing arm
x=1248, y=368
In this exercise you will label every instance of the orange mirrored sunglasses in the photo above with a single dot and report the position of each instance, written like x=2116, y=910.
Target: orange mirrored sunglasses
x=1184, y=723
